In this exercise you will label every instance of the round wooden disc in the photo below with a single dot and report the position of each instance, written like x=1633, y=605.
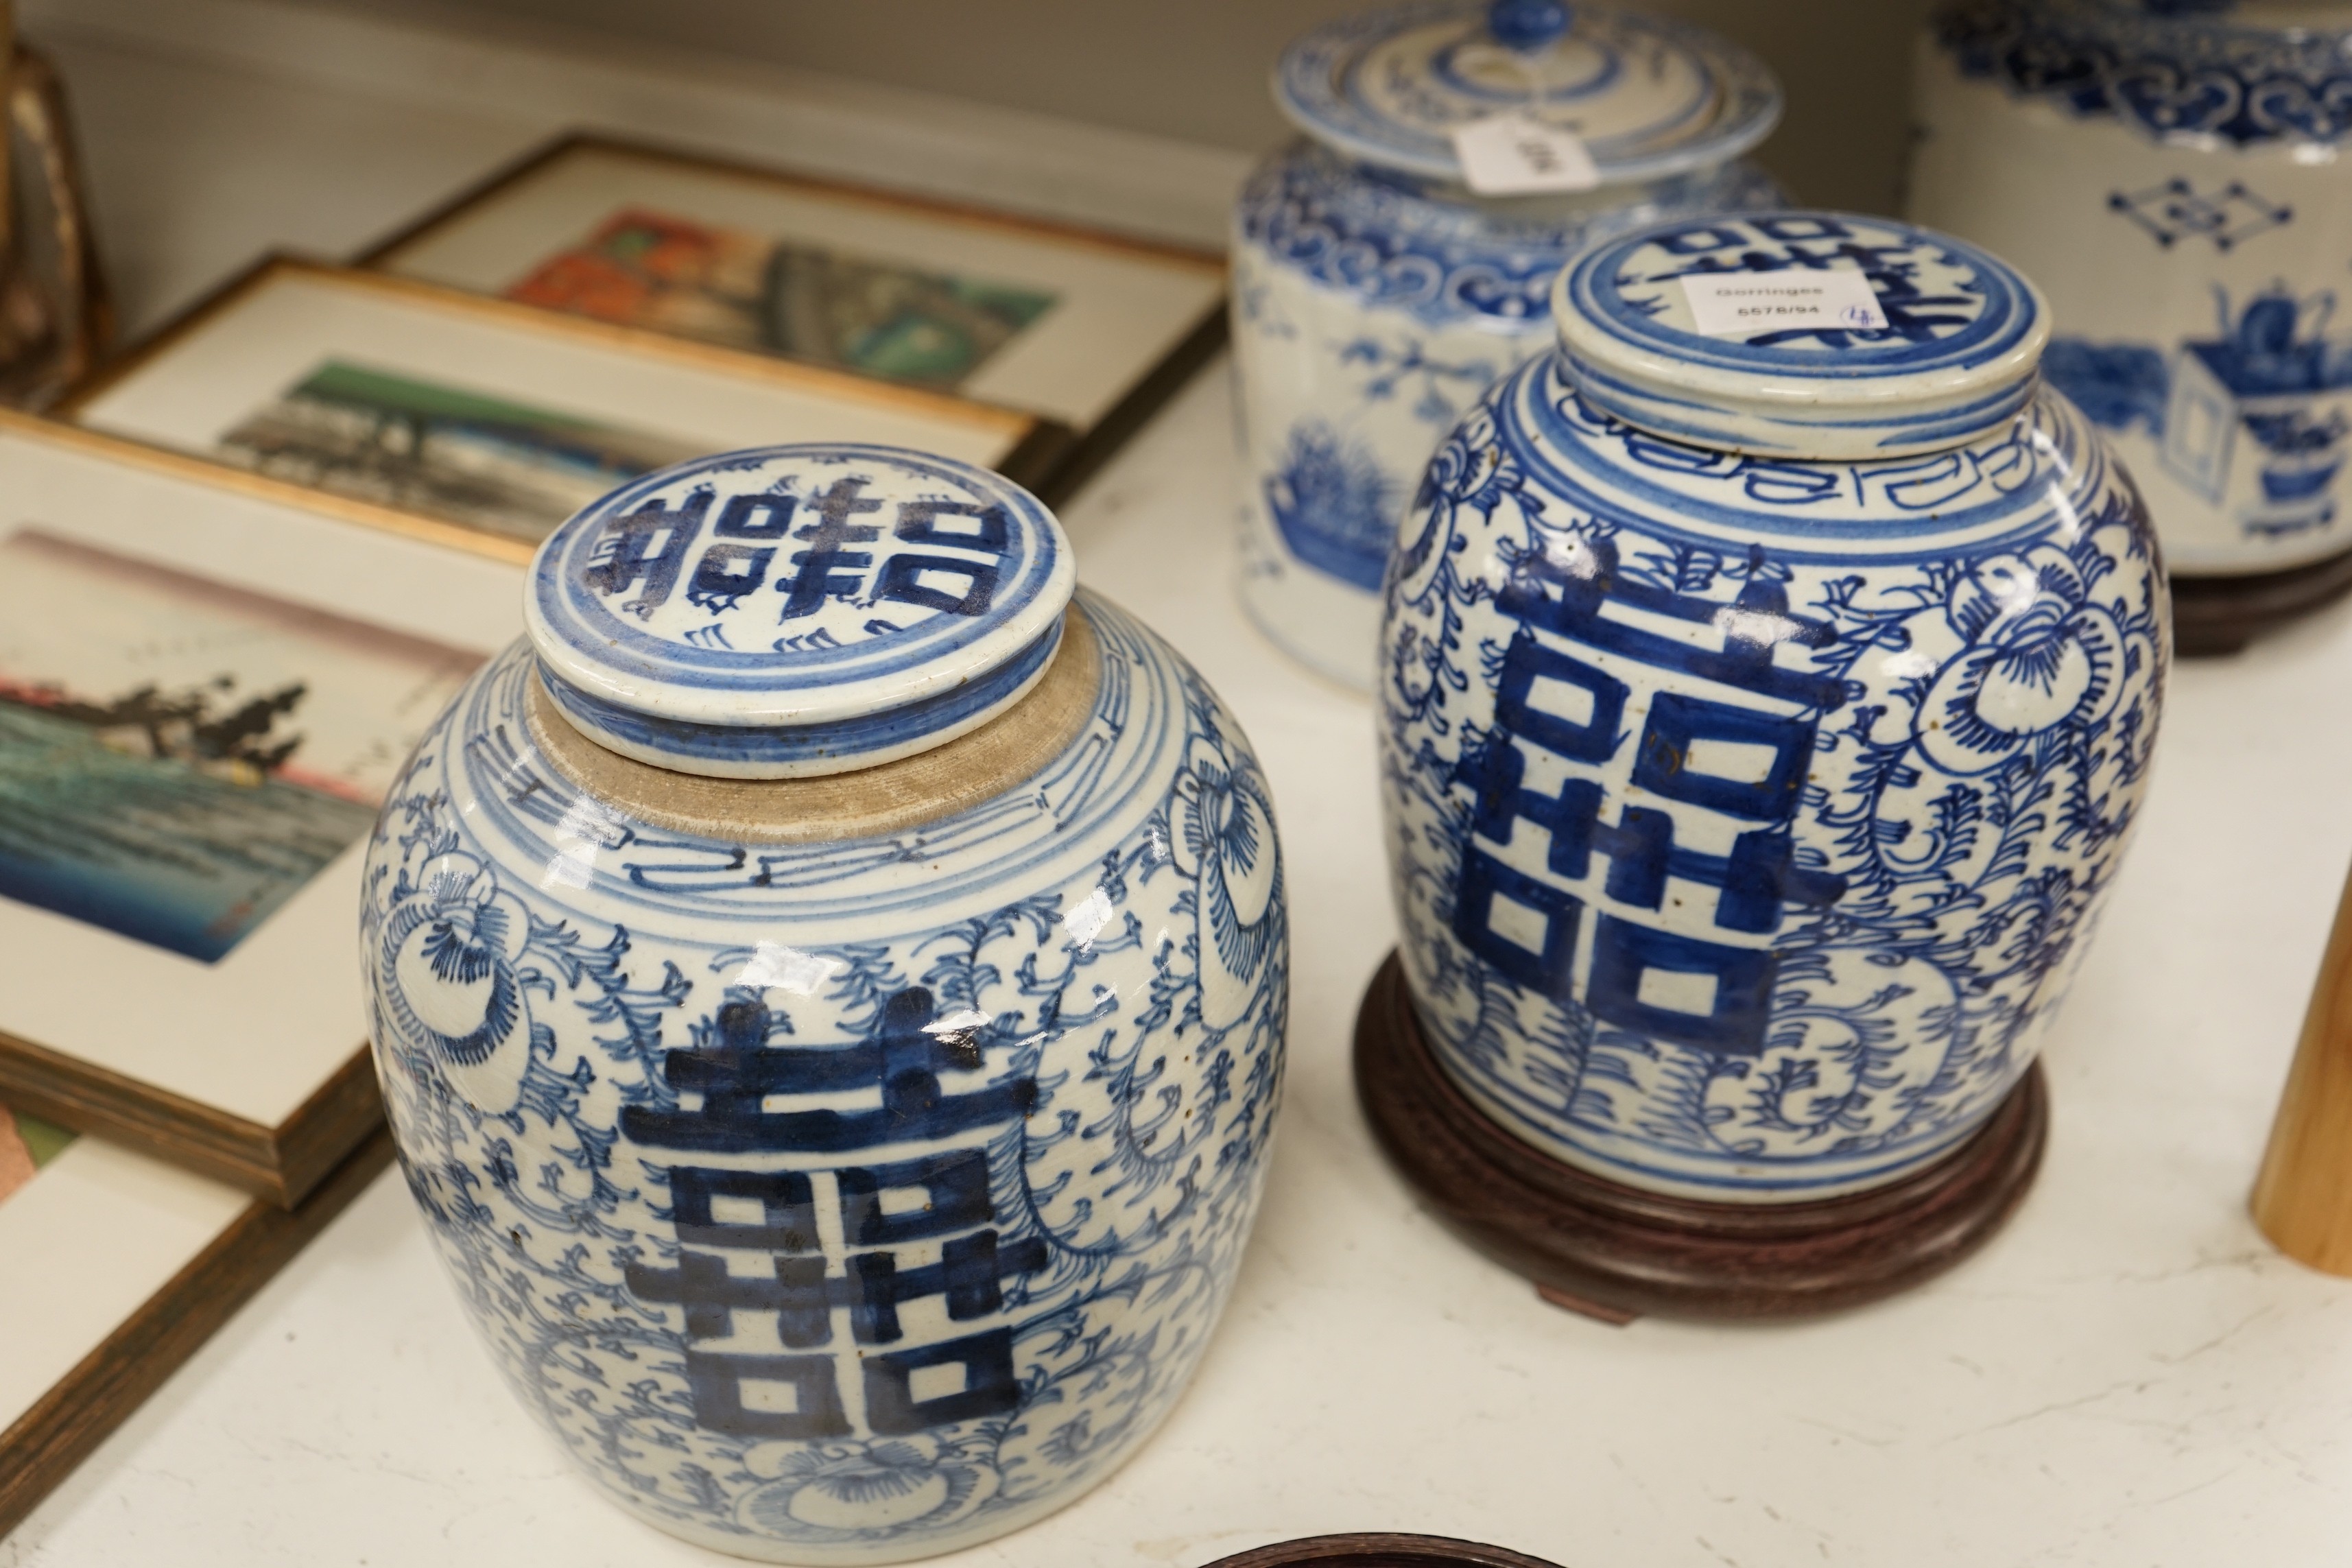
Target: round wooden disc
x=2222, y=614
x=1617, y=1253
x=1381, y=1552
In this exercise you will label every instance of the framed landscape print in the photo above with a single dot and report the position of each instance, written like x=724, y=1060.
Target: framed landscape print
x=134, y=1263
x=487, y=423
x=1090, y=330
x=207, y=678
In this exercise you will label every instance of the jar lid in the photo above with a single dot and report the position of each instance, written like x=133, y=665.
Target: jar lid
x=1649, y=97
x=791, y=611
x=1956, y=357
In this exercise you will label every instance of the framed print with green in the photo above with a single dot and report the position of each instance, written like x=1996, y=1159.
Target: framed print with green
x=1091, y=330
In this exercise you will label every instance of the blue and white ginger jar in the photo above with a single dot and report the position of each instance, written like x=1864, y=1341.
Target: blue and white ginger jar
x=1375, y=296
x=2178, y=175
x=829, y=986
x=1763, y=718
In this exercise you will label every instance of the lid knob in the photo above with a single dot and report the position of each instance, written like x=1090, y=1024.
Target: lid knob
x=793, y=611
x=1524, y=26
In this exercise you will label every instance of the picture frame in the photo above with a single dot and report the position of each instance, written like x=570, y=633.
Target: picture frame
x=220, y=671
x=482, y=424
x=141, y=1263
x=1089, y=328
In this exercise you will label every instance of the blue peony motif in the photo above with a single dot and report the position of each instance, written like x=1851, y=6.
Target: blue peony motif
x=1221, y=828
x=2039, y=656
x=448, y=955
x=849, y=1490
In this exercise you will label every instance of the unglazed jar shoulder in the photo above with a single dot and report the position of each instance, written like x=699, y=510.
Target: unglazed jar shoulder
x=1376, y=296
x=845, y=1167
x=2176, y=178
x=1749, y=812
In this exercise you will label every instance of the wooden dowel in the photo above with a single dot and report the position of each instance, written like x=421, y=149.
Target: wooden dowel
x=2303, y=1199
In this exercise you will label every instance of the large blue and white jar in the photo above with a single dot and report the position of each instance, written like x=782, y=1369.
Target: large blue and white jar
x=829, y=986
x=2176, y=174
x=1376, y=296
x=1764, y=715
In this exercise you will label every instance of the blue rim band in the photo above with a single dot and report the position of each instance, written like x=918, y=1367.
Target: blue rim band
x=805, y=750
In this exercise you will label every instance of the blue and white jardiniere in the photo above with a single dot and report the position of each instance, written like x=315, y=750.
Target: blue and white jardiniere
x=1375, y=296
x=1763, y=718
x=2176, y=174
x=829, y=988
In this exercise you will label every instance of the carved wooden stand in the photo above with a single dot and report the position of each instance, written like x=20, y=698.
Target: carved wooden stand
x=2222, y=614
x=1381, y=1552
x=1616, y=1253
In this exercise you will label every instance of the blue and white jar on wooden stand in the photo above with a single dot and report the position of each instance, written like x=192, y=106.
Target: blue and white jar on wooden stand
x=1375, y=296
x=829, y=985
x=1764, y=717
x=2176, y=174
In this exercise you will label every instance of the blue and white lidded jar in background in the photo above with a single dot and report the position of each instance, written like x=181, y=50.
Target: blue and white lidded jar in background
x=1772, y=676
x=829, y=985
x=1376, y=294
x=2177, y=177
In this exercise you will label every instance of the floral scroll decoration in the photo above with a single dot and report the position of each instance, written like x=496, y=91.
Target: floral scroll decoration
x=2170, y=66
x=516, y=1032
x=1969, y=796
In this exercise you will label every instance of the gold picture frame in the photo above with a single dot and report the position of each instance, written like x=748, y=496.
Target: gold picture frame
x=1139, y=318
x=239, y=359
x=262, y=1080
x=182, y=1256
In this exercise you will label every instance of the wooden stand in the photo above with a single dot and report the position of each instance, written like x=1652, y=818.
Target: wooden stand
x=1381, y=1552
x=1617, y=1253
x=2303, y=1200
x=2222, y=614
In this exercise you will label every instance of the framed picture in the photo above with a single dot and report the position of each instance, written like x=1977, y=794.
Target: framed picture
x=1091, y=330
x=136, y=1263
x=491, y=421
x=206, y=681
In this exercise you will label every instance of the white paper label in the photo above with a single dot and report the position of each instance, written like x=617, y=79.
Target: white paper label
x=1737, y=304
x=1516, y=154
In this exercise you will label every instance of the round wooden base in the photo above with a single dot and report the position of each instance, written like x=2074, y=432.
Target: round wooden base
x=2222, y=614
x=1617, y=1253
x=1381, y=1552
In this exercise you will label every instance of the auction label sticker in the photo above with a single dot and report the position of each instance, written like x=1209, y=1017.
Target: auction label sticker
x=1516, y=154
x=1737, y=304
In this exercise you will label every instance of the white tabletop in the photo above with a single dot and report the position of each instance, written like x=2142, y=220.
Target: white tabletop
x=2128, y=1375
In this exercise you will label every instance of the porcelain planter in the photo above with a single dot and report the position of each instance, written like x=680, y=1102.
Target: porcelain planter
x=1375, y=296
x=1764, y=718
x=2174, y=177
x=829, y=986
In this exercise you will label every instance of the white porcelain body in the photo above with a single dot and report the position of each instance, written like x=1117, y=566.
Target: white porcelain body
x=1748, y=817
x=843, y=1201
x=2170, y=259
x=1370, y=311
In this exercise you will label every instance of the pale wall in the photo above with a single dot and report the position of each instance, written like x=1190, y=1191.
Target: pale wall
x=1196, y=69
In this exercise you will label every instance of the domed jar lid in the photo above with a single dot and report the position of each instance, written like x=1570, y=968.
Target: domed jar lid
x=1800, y=334
x=1649, y=97
x=793, y=611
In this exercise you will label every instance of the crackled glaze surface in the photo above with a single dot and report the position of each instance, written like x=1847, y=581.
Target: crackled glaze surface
x=1748, y=816
x=851, y=1201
